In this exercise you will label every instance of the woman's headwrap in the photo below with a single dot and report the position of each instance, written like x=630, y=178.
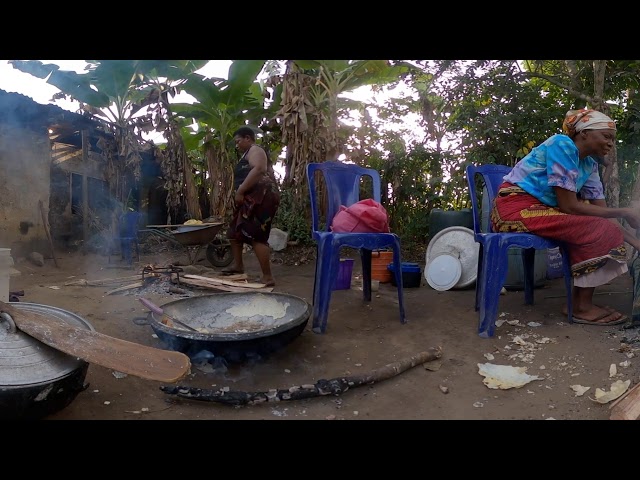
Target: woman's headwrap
x=578, y=120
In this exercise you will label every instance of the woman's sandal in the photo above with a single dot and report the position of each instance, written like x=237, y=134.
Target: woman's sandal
x=596, y=321
x=230, y=271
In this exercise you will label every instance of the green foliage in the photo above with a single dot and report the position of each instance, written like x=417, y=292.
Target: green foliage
x=473, y=111
x=628, y=164
x=293, y=218
x=414, y=183
x=497, y=114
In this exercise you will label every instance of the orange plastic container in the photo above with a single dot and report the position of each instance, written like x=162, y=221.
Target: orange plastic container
x=379, y=261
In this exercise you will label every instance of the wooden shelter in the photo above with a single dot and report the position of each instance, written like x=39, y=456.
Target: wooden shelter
x=56, y=158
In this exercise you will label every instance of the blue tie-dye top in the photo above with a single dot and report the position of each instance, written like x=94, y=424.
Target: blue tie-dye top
x=556, y=163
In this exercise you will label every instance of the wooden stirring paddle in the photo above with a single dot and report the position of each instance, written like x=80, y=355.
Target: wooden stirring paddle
x=94, y=347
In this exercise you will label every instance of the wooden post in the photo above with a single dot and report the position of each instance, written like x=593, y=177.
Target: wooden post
x=85, y=187
x=45, y=223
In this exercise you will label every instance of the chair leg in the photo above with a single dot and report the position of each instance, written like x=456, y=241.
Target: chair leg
x=492, y=278
x=479, y=285
x=397, y=263
x=328, y=270
x=128, y=254
x=137, y=249
x=568, y=282
x=365, y=260
x=528, y=265
x=315, y=275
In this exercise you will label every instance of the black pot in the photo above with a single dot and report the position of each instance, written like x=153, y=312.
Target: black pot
x=37, y=380
x=233, y=326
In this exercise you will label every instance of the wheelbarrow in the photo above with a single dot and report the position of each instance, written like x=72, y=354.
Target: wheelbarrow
x=194, y=237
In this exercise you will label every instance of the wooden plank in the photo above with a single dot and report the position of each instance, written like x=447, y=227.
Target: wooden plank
x=219, y=287
x=94, y=347
x=235, y=277
x=220, y=281
x=627, y=407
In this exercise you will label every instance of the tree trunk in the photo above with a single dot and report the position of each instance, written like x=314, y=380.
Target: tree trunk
x=610, y=176
x=191, y=191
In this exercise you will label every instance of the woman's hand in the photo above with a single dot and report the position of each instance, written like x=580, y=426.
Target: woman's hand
x=239, y=198
x=635, y=244
x=633, y=218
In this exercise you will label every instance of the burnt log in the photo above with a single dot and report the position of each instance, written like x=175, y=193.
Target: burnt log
x=335, y=386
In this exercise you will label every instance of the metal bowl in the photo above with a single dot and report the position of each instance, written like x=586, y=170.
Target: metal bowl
x=235, y=326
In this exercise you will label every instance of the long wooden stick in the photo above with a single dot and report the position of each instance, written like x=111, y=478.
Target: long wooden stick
x=335, y=386
x=105, y=281
x=45, y=222
x=125, y=288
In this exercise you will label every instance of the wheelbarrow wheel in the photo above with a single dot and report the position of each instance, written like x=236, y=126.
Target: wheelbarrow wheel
x=219, y=253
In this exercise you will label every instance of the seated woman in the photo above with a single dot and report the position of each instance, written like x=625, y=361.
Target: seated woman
x=555, y=191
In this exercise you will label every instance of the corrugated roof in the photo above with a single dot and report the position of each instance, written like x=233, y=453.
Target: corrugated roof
x=22, y=111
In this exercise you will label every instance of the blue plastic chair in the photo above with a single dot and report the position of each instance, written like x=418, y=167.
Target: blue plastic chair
x=342, y=187
x=127, y=236
x=493, y=259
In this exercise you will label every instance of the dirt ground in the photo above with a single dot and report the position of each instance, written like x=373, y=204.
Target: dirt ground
x=360, y=338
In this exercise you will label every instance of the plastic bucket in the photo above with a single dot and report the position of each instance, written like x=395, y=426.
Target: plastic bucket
x=515, y=272
x=379, y=261
x=440, y=219
x=554, y=263
x=343, y=280
x=411, y=275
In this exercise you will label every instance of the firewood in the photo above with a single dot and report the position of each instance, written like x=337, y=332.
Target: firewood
x=220, y=281
x=104, y=281
x=126, y=287
x=335, y=386
x=218, y=287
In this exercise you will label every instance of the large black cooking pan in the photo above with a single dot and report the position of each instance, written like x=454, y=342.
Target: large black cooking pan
x=234, y=326
x=37, y=380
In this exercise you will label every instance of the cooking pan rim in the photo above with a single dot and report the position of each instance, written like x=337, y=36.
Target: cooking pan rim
x=41, y=307
x=232, y=337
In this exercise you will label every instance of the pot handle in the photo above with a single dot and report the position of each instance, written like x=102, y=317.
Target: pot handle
x=151, y=306
x=11, y=328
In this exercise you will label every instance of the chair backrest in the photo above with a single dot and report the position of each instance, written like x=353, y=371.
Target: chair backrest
x=492, y=176
x=342, y=182
x=129, y=224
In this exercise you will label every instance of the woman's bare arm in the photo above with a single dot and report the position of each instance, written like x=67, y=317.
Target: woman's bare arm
x=568, y=203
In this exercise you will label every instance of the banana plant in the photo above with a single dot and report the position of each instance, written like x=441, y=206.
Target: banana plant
x=334, y=77
x=220, y=108
x=309, y=113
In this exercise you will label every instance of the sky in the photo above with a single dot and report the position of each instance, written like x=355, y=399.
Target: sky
x=13, y=80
